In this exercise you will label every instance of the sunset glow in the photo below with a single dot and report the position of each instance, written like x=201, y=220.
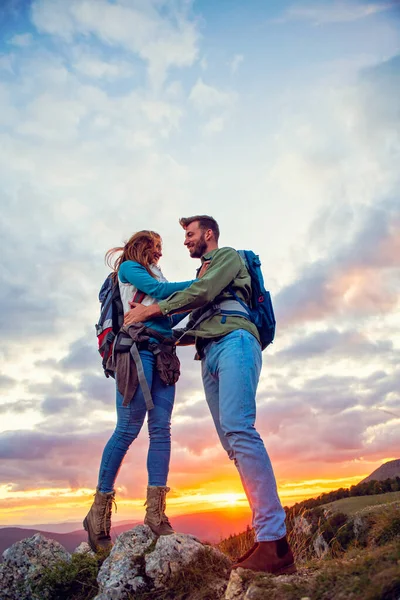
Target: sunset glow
x=68, y=505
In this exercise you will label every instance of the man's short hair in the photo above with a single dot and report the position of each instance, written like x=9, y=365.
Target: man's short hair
x=205, y=222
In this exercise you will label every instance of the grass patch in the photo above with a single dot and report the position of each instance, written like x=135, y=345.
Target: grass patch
x=237, y=544
x=195, y=581
x=367, y=575
x=75, y=579
x=385, y=525
x=353, y=505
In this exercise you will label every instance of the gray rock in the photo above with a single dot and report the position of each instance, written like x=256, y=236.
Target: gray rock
x=237, y=586
x=360, y=527
x=171, y=553
x=23, y=563
x=141, y=561
x=321, y=547
x=83, y=548
x=251, y=585
x=122, y=572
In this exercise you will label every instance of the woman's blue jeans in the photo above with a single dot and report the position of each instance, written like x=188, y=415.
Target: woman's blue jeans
x=129, y=422
x=231, y=368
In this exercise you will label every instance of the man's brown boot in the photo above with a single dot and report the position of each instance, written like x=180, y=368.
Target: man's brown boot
x=272, y=557
x=248, y=553
x=155, y=517
x=97, y=522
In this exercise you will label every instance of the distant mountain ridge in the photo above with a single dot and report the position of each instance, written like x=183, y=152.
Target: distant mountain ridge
x=210, y=526
x=388, y=470
x=67, y=527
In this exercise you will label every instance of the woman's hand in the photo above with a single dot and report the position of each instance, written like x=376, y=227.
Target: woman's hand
x=140, y=313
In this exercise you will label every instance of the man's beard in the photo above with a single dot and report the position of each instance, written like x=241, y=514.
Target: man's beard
x=200, y=248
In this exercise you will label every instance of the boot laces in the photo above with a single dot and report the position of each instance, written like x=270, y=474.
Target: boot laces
x=163, y=506
x=158, y=509
x=104, y=517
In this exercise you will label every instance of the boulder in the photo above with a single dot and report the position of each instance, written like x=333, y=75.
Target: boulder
x=141, y=561
x=84, y=548
x=171, y=553
x=250, y=585
x=23, y=562
x=122, y=573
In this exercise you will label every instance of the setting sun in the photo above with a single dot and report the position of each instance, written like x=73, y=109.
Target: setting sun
x=231, y=499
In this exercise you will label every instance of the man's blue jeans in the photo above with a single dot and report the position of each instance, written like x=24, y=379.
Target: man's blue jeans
x=129, y=422
x=231, y=368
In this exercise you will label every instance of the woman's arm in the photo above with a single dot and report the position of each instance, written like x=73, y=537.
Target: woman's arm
x=136, y=274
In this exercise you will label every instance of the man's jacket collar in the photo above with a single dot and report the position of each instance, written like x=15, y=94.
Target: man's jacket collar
x=208, y=256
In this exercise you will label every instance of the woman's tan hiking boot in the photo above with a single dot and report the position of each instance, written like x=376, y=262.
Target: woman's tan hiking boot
x=97, y=522
x=155, y=504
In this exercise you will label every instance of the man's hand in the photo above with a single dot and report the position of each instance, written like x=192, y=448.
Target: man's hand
x=140, y=313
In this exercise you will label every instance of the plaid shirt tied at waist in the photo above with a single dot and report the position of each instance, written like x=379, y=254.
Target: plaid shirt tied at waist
x=127, y=367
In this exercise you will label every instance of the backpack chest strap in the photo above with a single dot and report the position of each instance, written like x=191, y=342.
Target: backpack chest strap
x=232, y=307
x=227, y=308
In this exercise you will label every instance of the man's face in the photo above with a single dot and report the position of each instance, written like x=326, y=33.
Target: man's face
x=195, y=240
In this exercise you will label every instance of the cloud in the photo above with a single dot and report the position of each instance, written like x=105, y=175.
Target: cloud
x=42, y=309
x=207, y=98
x=359, y=279
x=335, y=344
x=214, y=125
x=22, y=40
x=96, y=388
x=6, y=382
x=236, y=62
x=335, y=12
x=82, y=356
x=56, y=405
x=213, y=104
x=94, y=67
x=163, y=39
x=18, y=407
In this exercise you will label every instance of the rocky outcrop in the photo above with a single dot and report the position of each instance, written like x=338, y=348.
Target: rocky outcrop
x=23, y=563
x=247, y=585
x=139, y=561
x=174, y=566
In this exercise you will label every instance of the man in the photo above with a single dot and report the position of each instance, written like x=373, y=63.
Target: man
x=227, y=343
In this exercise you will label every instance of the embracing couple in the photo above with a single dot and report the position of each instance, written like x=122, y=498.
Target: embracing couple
x=230, y=353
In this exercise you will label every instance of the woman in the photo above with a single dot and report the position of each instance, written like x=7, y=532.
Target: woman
x=136, y=269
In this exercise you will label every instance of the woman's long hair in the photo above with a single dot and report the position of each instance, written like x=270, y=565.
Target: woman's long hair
x=139, y=248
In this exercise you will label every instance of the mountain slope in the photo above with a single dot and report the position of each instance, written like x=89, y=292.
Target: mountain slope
x=389, y=470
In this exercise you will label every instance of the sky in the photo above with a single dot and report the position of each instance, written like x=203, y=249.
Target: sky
x=281, y=120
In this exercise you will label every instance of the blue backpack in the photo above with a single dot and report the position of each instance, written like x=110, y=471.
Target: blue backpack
x=260, y=308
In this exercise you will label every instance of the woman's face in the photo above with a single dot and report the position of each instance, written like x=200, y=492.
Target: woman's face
x=157, y=251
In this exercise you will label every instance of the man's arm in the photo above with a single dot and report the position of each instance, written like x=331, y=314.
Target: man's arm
x=224, y=266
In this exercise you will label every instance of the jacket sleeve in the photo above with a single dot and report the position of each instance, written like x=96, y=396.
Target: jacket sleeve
x=136, y=274
x=224, y=267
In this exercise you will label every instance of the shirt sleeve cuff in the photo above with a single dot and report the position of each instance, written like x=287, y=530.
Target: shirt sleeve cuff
x=164, y=307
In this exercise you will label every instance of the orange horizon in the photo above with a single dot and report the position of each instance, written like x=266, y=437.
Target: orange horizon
x=61, y=505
